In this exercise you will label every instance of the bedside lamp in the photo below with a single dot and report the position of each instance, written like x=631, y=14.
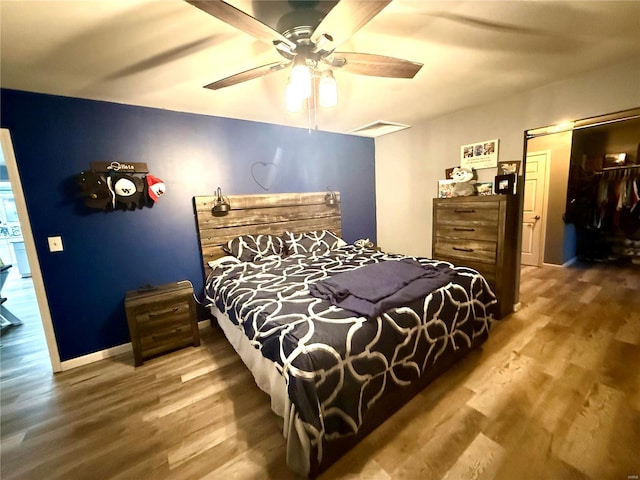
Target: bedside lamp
x=330, y=199
x=221, y=205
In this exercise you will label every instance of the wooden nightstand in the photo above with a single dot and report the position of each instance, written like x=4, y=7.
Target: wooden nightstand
x=161, y=319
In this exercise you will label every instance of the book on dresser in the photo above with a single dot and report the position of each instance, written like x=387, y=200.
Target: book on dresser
x=481, y=232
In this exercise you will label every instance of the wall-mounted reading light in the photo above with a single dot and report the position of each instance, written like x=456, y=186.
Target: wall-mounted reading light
x=330, y=199
x=221, y=205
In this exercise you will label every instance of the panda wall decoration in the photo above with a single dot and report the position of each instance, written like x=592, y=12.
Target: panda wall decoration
x=119, y=186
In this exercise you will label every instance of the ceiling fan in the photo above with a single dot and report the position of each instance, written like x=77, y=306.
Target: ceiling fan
x=308, y=38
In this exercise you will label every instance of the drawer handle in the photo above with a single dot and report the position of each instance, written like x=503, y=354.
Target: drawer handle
x=160, y=313
x=163, y=336
x=460, y=249
x=460, y=229
x=464, y=210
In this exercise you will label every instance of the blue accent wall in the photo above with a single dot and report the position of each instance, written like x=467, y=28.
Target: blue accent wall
x=108, y=253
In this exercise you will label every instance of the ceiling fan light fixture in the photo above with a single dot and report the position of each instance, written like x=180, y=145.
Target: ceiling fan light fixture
x=292, y=100
x=328, y=90
x=302, y=38
x=301, y=76
x=324, y=45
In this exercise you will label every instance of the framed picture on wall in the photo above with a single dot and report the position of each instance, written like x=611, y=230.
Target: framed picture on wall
x=505, y=184
x=479, y=155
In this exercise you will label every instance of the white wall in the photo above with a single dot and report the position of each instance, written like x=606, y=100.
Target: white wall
x=409, y=163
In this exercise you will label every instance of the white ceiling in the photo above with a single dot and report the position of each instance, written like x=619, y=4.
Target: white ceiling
x=160, y=53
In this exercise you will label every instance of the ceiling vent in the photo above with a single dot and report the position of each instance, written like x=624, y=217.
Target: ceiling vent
x=379, y=128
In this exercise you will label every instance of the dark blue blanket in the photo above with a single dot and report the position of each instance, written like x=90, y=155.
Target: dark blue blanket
x=375, y=288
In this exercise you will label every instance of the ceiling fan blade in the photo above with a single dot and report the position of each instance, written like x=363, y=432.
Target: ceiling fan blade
x=374, y=65
x=242, y=21
x=247, y=75
x=346, y=18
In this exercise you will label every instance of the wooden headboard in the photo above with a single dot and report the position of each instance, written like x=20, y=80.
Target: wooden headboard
x=264, y=213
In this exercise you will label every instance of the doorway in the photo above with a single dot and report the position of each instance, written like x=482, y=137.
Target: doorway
x=534, y=208
x=24, y=279
x=555, y=232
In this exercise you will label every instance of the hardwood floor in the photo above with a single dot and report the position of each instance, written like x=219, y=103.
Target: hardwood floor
x=553, y=394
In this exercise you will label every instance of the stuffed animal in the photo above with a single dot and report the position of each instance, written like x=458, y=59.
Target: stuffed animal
x=464, y=178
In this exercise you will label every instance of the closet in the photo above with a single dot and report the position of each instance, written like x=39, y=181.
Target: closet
x=603, y=197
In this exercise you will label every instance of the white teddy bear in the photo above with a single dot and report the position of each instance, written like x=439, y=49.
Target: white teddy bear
x=464, y=178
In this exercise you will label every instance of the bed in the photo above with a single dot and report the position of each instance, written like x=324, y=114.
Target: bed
x=333, y=374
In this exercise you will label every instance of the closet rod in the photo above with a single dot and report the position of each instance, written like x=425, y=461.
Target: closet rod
x=620, y=168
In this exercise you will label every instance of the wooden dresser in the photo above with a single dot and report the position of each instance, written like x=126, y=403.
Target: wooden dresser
x=161, y=319
x=481, y=232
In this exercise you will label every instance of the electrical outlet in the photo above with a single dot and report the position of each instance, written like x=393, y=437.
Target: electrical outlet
x=55, y=244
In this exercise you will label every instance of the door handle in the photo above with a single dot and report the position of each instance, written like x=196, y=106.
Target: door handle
x=533, y=221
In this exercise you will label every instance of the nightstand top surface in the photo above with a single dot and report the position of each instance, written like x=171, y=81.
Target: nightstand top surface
x=160, y=289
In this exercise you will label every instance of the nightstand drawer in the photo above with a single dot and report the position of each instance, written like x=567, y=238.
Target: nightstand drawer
x=165, y=340
x=162, y=316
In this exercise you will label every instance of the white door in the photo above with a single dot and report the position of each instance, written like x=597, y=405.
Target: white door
x=534, y=209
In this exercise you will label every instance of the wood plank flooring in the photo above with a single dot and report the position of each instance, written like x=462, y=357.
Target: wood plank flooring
x=553, y=394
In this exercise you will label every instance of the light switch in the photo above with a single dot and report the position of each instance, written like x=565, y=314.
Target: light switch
x=55, y=244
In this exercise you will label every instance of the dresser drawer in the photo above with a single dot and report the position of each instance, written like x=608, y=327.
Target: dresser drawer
x=479, y=251
x=467, y=232
x=488, y=270
x=470, y=213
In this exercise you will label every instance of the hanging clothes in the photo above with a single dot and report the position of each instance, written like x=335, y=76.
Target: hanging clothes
x=617, y=201
x=630, y=215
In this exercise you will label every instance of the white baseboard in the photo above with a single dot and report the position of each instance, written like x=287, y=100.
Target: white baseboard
x=95, y=356
x=110, y=352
